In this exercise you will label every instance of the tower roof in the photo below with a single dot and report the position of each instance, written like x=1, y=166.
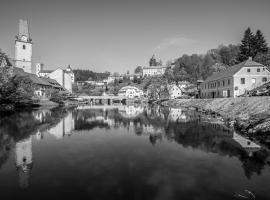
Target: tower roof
x=23, y=28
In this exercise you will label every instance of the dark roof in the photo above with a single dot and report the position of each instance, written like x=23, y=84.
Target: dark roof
x=46, y=71
x=233, y=70
x=52, y=82
x=37, y=80
x=18, y=71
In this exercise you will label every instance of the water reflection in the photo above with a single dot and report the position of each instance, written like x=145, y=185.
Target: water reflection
x=24, y=163
x=155, y=124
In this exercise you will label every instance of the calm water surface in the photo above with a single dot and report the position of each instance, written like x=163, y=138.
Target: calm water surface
x=126, y=152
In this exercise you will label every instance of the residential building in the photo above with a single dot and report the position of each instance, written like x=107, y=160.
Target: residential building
x=64, y=77
x=174, y=91
x=23, y=48
x=41, y=84
x=130, y=92
x=235, y=81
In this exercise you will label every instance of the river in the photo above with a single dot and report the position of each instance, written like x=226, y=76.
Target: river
x=127, y=152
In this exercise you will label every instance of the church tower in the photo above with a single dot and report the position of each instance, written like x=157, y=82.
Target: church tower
x=23, y=48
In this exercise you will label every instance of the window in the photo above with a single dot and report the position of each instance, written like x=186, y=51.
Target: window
x=229, y=82
x=223, y=83
x=23, y=47
x=253, y=81
x=258, y=69
x=248, y=70
x=264, y=79
x=242, y=80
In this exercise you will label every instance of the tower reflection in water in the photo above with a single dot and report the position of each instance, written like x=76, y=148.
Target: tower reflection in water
x=24, y=161
x=175, y=125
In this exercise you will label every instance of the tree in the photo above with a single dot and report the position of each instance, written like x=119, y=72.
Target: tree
x=260, y=45
x=263, y=58
x=247, y=46
x=138, y=70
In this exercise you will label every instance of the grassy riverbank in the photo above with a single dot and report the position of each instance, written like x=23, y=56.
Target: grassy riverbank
x=250, y=114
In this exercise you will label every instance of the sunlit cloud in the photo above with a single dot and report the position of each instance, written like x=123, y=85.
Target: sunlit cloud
x=176, y=41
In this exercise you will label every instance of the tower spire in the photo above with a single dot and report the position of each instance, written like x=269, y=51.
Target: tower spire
x=23, y=28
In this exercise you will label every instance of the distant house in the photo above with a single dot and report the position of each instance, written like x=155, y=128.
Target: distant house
x=174, y=91
x=235, y=81
x=130, y=92
x=64, y=77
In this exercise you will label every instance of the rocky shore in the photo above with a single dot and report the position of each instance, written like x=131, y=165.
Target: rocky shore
x=250, y=115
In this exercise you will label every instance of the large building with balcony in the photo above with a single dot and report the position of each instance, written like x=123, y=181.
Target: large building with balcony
x=235, y=81
x=155, y=68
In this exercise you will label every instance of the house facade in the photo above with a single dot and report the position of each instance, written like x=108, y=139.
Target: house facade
x=235, y=81
x=174, y=91
x=153, y=71
x=130, y=92
x=64, y=77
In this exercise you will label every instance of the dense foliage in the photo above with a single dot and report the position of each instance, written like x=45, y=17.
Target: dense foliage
x=15, y=90
x=85, y=75
x=194, y=67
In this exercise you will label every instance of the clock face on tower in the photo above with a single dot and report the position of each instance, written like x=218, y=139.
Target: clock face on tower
x=24, y=38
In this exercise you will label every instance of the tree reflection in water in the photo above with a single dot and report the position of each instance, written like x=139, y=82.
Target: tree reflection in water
x=187, y=128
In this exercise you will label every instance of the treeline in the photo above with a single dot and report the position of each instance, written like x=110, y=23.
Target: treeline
x=85, y=75
x=194, y=67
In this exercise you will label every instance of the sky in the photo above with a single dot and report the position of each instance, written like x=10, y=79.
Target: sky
x=118, y=35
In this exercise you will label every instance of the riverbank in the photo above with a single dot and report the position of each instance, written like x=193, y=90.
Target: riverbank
x=249, y=115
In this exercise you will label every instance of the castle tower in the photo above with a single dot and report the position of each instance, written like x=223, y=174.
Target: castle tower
x=23, y=48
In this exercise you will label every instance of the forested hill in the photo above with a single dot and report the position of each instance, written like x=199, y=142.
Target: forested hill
x=194, y=67
x=84, y=75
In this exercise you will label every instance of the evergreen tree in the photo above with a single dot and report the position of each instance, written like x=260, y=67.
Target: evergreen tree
x=247, y=46
x=260, y=45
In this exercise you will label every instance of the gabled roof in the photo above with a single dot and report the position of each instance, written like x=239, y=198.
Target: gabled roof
x=233, y=70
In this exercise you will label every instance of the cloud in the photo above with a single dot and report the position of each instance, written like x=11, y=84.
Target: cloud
x=173, y=42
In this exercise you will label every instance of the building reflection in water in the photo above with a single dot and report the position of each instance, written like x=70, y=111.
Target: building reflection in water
x=155, y=123
x=63, y=128
x=24, y=162
x=249, y=146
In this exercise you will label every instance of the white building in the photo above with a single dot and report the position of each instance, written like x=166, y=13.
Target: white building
x=153, y=71
x=130, y=92
x=64, y=77
x=23, y=48
x=155, y=68
x=174, y=91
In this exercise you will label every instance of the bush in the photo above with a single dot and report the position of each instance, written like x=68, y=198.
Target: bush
x=58, y=96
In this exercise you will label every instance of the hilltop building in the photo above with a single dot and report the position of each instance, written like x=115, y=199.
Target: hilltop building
x=235, y=81
x=154, y=69
x=64, y=77
x=23, y=48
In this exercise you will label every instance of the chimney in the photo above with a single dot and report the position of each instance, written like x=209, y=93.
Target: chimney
x=249, y=58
